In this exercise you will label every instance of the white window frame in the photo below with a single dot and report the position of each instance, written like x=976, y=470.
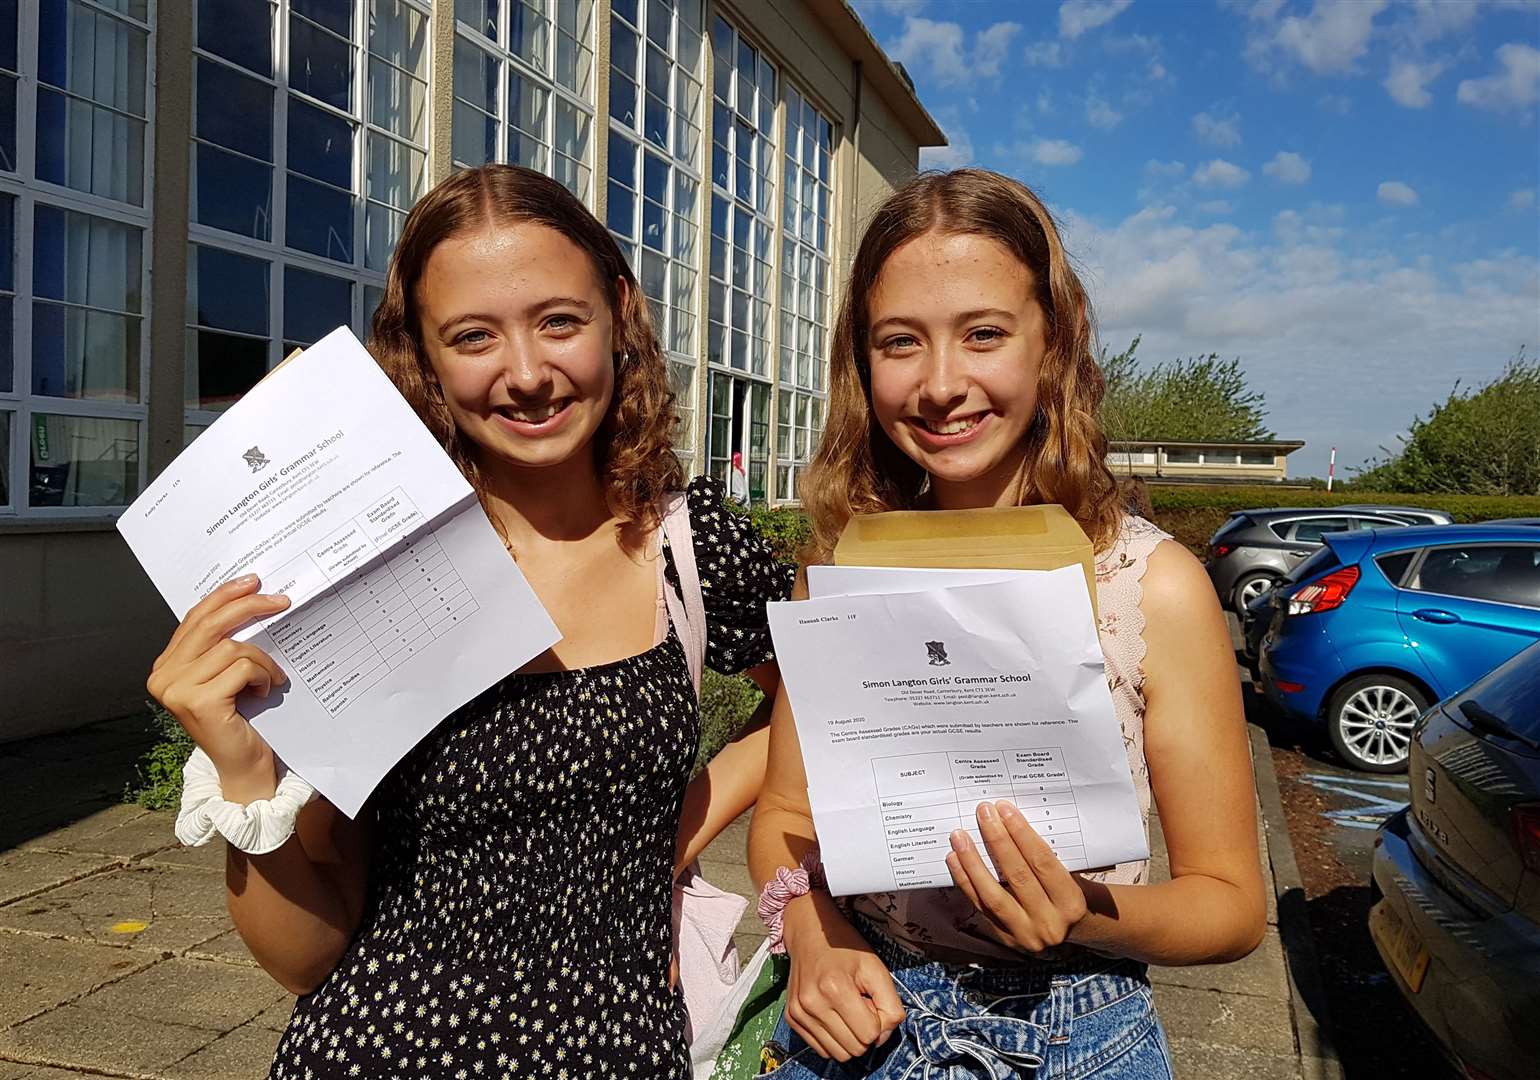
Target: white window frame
x=683, y=369
x=274, y=251
x=509, y=61
x=18, y=403
x=802, y=422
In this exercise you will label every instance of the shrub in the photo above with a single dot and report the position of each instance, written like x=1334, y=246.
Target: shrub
x=726, y=703
x=160, y=769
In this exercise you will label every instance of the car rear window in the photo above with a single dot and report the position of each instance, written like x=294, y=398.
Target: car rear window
x=1394, y=566
x=1510, y=693
x=1322, y=561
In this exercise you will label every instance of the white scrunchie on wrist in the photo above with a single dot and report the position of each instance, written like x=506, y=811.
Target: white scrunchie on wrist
x=256, y=828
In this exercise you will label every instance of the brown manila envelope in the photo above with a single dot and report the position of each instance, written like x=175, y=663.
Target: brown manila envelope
x=1006, y=538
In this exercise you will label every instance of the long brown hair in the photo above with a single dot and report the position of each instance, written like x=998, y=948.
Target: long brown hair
x=633, y=447
x=858, y=470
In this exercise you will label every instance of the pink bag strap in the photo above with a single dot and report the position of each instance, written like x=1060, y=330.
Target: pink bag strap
x=688, y=611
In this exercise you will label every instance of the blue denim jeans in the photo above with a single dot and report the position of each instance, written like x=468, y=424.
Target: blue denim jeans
x=1041, y=1021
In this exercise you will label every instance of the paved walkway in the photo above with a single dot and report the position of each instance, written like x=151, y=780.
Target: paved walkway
x=117, y=957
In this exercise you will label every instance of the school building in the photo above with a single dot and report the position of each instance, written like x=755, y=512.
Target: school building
x=189, y=189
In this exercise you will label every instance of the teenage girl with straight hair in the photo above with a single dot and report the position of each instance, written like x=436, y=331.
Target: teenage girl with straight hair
x=963, y=377
x=501, y=907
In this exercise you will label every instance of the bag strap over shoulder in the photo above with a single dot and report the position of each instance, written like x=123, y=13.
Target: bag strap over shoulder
x=688, y=611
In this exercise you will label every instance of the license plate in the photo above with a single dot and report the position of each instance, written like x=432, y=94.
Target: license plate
x=1400, y=944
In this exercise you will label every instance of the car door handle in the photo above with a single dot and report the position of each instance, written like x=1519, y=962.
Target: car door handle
x=1435, y=615
x=1300, y=554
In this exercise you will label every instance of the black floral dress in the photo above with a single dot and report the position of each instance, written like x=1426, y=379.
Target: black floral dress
x=517, y=921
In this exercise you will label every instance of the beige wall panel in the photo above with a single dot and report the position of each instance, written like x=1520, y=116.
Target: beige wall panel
x=80, y=628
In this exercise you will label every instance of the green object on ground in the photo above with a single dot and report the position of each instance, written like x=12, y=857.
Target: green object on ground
x=739, y=1059
x=160, y=769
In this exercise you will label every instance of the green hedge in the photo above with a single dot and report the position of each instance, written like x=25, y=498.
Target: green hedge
x=1193, y=513
x=160, y=769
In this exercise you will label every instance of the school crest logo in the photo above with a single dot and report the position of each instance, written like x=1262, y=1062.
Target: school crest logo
x=937, y=652
x=256, y=459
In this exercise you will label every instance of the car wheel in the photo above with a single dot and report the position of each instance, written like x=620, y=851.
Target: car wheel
x=1248, y=589
x=1370, y=721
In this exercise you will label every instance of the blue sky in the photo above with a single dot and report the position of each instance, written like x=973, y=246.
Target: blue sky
x=1341, y=194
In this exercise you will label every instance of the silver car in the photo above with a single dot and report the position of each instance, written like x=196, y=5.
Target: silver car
x=1255, y=549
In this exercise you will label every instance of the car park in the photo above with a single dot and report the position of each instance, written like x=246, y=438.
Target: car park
x=1378, y=624
x=1455, y=888
x=1255, y=549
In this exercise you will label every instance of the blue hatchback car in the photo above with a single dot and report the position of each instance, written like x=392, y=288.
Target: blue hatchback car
x=1378, y=625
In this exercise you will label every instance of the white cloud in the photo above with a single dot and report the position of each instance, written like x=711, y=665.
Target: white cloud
x=958, y=152
x=1327, y=41
x=1045, y=54
x=1432, y=19
x=1516, y=86
x=1340, y=104
x=1217, y=130
x=1395, y=193
x=1099, y=114
x=1220, y=173
x=1054, y=152
x=1169, y=169
x=898, y=7
x=1217, y=207
x=938, y=49
x=1288, y=167
x=1078, y=16
x=1522, y=199
x=1408, y=81
x=1304, y=307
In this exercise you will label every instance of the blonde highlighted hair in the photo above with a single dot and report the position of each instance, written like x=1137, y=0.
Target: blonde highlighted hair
x=633, y=447
x=858, y=470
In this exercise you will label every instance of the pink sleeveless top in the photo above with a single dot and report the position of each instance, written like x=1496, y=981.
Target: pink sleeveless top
x=942, y=922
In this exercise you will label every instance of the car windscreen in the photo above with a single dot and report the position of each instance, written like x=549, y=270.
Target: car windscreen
x=1511, y=694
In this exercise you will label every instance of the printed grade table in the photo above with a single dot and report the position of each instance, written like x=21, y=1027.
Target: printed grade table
x=369, y=623
x=926, y=797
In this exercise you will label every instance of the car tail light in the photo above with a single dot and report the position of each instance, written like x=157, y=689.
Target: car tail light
x=1324, y=595
x=1526, y=834
x=1219, y=551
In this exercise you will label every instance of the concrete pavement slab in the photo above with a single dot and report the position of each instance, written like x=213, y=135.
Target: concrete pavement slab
x=242, y=1054
x=1203, y=1061
x=1234, y=1020
x=191, y=993
x=115, y=1043
x=1262, y=974
x=41, y=973
x=227, y=948
x=124, y=831
x=276, y=1016
x=210, y=856
x=24, y=872
x=177, y=908
x=39, y=1072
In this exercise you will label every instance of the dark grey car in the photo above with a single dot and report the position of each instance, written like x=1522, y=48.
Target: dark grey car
x=1256, y=549
x=1455, y=894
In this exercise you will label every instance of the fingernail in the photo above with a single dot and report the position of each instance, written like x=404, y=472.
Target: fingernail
x=961, y=841
x=1008, y=810
x=246, y=579
x=986, y=812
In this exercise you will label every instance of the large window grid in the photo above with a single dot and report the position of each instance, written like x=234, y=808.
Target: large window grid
x=805, y=245
x=742, y=204
x=524, y=87
x=345, y=124
x=75, y=89
x=653, y=200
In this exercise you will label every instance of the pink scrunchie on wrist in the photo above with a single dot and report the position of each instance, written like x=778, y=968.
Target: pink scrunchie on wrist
x=782, y=889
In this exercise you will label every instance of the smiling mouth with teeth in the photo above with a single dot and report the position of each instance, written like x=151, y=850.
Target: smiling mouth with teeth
x=953, y=427
x=534, y=416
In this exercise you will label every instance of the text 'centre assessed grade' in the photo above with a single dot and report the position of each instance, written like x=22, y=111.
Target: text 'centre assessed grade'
x=404, y=602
